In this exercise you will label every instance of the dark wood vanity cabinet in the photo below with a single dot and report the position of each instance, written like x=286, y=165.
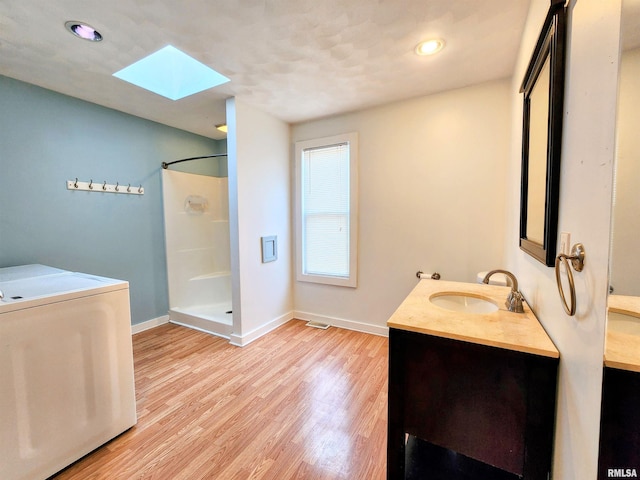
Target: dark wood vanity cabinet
x=619, y=425
x=468, y=411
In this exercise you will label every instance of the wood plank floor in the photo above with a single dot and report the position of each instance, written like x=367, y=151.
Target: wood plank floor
x=298, y=403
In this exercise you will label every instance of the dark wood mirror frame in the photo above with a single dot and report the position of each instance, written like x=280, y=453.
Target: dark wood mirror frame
x=551, y=45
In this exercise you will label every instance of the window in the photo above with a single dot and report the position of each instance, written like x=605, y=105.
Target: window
x=326, y=210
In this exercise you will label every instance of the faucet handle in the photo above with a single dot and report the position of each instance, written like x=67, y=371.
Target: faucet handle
x=514, y=302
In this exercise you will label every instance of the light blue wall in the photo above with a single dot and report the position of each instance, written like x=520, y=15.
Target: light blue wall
x=46, y=139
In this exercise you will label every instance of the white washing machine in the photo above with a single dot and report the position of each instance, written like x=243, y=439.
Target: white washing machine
x=66, y=368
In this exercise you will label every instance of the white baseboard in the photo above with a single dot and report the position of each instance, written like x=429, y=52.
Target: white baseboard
x=243, y=340
x=343, y=323
x=149, y=324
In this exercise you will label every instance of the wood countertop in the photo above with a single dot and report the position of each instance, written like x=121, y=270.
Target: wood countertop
x=622, y=348
x=513, y=331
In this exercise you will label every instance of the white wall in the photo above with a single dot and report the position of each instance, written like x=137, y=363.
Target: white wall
x=432, y=196
x=585, y=200
x=260, y=205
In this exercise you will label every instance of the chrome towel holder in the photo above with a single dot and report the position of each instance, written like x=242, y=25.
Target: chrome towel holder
x=577, y=258
x=433, y=276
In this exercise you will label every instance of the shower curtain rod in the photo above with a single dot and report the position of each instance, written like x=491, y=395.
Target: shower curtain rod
x=165, y=165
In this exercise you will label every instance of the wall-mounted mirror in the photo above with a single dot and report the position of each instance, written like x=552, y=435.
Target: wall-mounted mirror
x=620, y=421
x=543, y=88
x=624, y=260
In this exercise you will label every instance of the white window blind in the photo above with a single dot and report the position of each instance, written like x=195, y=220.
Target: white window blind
x=325, y=207
x=326, y=246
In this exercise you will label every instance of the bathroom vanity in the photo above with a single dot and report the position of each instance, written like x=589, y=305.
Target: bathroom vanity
x=472, y=386
x=620, y=418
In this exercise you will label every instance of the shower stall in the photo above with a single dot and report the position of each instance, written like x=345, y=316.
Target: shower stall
x=196, y=216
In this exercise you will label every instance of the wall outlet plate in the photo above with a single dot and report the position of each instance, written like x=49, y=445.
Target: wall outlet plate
x=269, y=248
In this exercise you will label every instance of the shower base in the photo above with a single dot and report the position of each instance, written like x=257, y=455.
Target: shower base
x=216, y=319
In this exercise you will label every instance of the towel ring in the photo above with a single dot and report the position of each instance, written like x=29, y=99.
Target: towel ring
x=577, y=262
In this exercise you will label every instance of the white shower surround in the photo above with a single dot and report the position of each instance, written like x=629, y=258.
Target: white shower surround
x=198, y=252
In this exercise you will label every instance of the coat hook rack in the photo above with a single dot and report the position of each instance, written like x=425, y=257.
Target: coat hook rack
x=104, y=188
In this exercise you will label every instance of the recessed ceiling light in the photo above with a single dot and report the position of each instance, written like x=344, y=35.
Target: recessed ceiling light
x=171, y=73
x=83, y=30
x=222, y=127
x=429, y=47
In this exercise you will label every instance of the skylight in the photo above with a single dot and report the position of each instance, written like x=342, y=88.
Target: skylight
x=171, y=73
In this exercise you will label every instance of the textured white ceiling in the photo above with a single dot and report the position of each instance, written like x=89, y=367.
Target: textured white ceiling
x=295, y=59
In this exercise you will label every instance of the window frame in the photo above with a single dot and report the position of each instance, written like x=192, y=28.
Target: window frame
x=351, y=139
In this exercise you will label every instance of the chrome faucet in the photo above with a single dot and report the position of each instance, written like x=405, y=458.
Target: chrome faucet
x=514, y=299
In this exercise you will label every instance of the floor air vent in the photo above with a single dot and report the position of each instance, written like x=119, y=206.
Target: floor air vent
x=321, y=325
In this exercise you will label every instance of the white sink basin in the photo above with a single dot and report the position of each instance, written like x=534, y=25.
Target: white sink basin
x=459, y=302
